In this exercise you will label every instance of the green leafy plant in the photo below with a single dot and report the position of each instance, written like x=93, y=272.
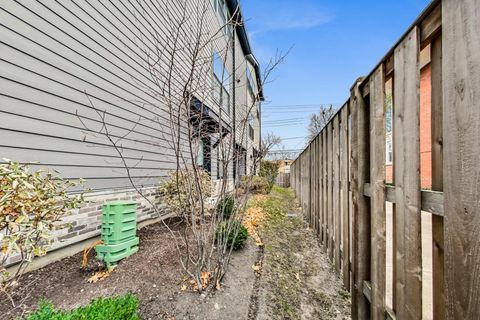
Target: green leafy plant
x=117, y=308
x=233, y=232
x=31, y=205
x=269, y=170
x=182, y=194
x=226, y=206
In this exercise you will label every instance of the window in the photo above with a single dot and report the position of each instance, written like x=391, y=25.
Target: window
x=223, y=14
x=200, y=156
x=204, y=155
x=221, y=83
x=250, y=126
x=251, y=86
x=220, y=164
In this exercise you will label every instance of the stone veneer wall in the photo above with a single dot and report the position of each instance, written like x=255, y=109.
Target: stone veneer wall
x=85, y=223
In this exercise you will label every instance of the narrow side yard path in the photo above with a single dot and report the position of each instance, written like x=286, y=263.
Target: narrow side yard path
x=282, y=273
x=297, y=280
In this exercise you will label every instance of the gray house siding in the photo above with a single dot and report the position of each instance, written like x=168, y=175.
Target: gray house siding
x=66, y=65
x=59, y=59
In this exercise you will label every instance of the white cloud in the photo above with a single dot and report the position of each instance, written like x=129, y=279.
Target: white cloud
x=289, y=15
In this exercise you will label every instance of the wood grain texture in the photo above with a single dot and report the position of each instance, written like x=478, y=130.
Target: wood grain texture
x=361, y=220
x=407, y=178
x=461, y=127
x=330, y=191
x=437, y=179
x=344, y=164
x=325, y=187
x=336, y=192
x=377, y=199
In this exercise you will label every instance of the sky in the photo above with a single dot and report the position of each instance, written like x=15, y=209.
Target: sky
x=331, y=43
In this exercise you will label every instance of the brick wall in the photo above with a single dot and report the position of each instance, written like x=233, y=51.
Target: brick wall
x=425, y=132
x=426, y=128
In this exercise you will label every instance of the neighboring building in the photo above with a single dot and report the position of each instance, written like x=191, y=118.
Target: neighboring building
x=425, y=124
x=59, y=59
x=284, y=165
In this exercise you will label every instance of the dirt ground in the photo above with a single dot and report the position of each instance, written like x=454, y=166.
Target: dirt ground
x=298, y=280
x=293, y=280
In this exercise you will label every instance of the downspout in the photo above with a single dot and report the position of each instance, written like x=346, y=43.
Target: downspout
x=234, y=103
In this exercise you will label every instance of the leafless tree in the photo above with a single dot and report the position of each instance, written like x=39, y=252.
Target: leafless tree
x=179, y=61
x=267, y=143
x=319, y=120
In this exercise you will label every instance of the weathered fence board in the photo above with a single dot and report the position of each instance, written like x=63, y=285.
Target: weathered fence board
x=461, y=180
x=325, y=187
x=361, y=219
x=437, y=178
x=348, y=171
x=330, y=225
x=377, y=183
x=344, y=160
x=336, y=191
x=406, y=137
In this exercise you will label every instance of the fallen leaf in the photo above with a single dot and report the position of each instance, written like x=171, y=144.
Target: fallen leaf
x=100, y=275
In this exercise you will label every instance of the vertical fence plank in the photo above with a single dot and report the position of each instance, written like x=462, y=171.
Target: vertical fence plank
x=461, y=105
x=320, y=185
x=361, y=221
x=407, y=179
x=325, y=186
x=344, y=160
x=330, y=190
x=437, y=178
x=316, y=199
x=336, y=191
x=377, y=189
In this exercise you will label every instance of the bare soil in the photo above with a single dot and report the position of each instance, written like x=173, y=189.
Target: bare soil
x=295, y=280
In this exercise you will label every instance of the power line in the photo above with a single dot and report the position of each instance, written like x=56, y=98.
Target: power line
x=293, y=138
x=303, y=105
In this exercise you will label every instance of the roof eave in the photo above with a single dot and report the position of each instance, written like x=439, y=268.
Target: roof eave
x=234, y=7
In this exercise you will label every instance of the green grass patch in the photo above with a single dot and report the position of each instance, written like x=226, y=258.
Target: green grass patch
x=117, y=308
x=282, y=240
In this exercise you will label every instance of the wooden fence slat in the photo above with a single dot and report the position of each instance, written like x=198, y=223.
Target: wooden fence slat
x=336, y=191
x=344, y=160
x=377, y=190
x=437, y=178
x=325, y=187
x=330, y=191
x=361, y=221
x=407, y=180
x=319, y=184
x=461, y=133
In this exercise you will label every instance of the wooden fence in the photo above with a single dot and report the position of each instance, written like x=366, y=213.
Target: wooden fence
x=283, y=180
x=340, y=178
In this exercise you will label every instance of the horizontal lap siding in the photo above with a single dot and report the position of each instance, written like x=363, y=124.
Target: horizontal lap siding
x=53, y=55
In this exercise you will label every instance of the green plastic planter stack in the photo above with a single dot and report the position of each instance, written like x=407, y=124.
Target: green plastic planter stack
x=119, y=232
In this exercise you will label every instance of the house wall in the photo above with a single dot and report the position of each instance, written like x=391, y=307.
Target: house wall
x=67, y=66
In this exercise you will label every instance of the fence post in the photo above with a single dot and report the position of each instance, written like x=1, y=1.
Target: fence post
x=377, y=190
x=461, y=122
x=361, y=220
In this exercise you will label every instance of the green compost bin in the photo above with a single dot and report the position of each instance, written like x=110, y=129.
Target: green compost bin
x=119, y=232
